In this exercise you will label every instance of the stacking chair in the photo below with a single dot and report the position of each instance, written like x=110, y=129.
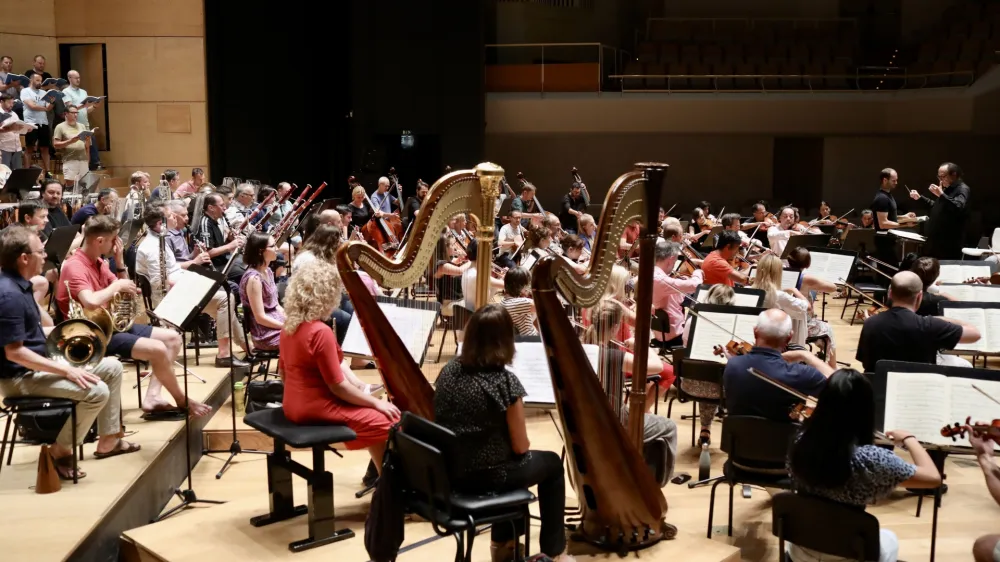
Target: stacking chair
x=825, y=526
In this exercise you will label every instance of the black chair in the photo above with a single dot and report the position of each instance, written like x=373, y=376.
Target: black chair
x=15, y=405
x=752, y=441
x=422, y=448
x=659, y=328
x=259, y=358
x=825, y=526
x=695, y=370
x=459, y=317
x=281, y=467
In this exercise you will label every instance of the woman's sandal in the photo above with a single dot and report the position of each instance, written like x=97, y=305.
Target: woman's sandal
x=64, y=467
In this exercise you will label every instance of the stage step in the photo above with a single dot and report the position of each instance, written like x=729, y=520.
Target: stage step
x=224, y=533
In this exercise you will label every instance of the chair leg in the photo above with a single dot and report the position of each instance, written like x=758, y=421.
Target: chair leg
x=6, y=432
x=441, y=345
x=472, y=538
x=138, y=385
x=711, y=507
x=694, y=418
x=730, y=510
x=72, y=416
x=670, y=405
x=460, y=546
x=527, y=535
x=847, y=297
x=13, y=441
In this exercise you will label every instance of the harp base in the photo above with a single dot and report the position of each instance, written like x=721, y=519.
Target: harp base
x=620, y=540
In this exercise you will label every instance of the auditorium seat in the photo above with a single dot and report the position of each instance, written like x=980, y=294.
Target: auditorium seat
x=836, y=78
x=633, y=67
x=822, y=53
x=939, y=74
x=928, y=53
x=777, y=54
x=677, y=83
x=769, y=82
x=754, y=54
x=711, y=54
x=724, y=83
x=733, y=54
x=814, y=79
x=690, y=54
x=958, y=30
x=743, y=83
x=656, y=83
x=704, y=83
x=792, y=80
x=647, y=52
x=968, y=70
x=981, y=30
x=669, y=53
x=799, y=54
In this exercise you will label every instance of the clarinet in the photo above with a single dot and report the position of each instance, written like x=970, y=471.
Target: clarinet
x=163, y=267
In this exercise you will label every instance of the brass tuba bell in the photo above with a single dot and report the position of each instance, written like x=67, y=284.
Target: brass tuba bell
x=76, y=342
x=99, y=317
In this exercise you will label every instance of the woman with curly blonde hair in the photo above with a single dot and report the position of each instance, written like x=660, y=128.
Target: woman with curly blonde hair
x=317, y=388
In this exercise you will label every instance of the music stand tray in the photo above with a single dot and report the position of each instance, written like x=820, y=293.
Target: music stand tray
x=859, y=240
x=804, y=240
x=20, y=182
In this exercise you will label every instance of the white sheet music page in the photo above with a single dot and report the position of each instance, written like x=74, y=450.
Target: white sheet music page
x=743, y=299
x=355, y=342
x=958, y=292
x=974, y=316
x=836, y=266
x=992, y=333
x=707, y=335
x=918, y=403
x=790, y=279
x=906, y=235
x=412, y=325
x=531, y=367
x=745, y=324
x=190, y=289
x=968, y=402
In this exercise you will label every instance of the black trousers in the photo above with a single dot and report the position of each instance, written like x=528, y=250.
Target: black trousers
x=545, y=469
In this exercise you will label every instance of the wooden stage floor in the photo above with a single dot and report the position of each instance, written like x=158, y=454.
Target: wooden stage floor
x=51, y=526
x=223, y=532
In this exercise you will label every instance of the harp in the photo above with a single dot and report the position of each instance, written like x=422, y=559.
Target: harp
x=464, y=191
x=622, y=505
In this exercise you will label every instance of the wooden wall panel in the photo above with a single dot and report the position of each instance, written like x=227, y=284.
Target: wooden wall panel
x=27, y=17
x=129, y=18
x=137, y=143
x=23, y=49
x=156, y=69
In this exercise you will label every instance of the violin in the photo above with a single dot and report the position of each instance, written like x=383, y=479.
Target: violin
x=993, y=279
x=734, y=348
x=980, y=429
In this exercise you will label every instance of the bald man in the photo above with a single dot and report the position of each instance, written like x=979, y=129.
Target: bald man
x=382, y=199
x=75, y=96
x=899, y=334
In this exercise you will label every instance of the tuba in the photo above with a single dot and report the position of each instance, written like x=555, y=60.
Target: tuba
x=621, y=504
x=465, y=191
x=100, y=317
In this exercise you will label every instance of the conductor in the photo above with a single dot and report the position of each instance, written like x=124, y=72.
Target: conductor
x=946, y=224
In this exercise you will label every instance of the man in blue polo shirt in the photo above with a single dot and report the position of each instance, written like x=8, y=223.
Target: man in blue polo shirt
x=26, y=371
x=747, y=395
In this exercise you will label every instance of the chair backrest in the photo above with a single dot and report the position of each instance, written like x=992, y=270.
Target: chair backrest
x=147, y=290
x=660, y=322
x=707, y=371
x=758, y=440
x=422, y=447
x=825, y=526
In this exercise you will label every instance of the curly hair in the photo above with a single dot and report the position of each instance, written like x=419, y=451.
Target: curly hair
x=312, y=293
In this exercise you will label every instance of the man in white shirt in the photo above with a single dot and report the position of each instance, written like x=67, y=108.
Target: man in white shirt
x=10, y=139
x=778, y=235
x=67, y=138
x=147, y=263
x=511, y=238
x=74, y=96
x=239, y=209
x=35, y=113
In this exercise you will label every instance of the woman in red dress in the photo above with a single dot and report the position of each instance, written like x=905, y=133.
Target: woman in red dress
x=316, y=388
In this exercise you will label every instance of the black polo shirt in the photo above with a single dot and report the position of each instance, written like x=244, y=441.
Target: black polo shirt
x=567, y=219
x=884, y=203
x=898, y=334
x=20, y=321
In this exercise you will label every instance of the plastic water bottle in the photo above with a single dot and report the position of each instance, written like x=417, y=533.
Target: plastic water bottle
x=239, y=393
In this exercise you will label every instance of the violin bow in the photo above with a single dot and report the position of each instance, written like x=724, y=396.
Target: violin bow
x=986, y=394
x=767, y=378
x=853, y=288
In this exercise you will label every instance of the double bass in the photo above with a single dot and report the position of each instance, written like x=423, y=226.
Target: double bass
x=383, y=232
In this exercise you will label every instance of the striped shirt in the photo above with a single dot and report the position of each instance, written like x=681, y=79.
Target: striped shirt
x=522, y=313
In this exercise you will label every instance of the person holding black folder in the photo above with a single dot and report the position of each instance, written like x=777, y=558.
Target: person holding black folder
x=52, y=192
x=949, y=210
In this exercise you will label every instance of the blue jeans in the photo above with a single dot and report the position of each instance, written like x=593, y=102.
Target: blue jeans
x=95, y=156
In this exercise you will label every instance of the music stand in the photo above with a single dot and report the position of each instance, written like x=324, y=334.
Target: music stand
x=179, y=309
x=57, y=246
x=20, y=182
x=859, y=240
x=937, y=453
x=804, y=240
x=87, y=184
x=129, y=231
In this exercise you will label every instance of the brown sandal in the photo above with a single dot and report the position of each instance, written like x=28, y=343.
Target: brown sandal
x=123, y=447
x=64, y=467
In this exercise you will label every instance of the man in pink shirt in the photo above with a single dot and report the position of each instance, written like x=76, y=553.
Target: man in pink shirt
x=668, y=292
x=191, y=186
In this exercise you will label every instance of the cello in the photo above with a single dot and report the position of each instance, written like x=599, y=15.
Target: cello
x=382, y=232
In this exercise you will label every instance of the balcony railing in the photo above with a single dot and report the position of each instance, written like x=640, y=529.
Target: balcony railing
x=558, y=67
x=786, y=83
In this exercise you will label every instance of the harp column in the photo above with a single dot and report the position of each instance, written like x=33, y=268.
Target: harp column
x=655, y=183
x=490, y=176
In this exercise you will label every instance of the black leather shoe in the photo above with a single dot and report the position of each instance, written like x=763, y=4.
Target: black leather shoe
x=231, y=362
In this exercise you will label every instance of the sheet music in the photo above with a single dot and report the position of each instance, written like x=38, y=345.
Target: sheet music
x=745, y=324
x=739, y=299
x=531, y=367
x=707, y=335
x=992, y=333
x=972, y=293
x=790, y=279
x=529, y=261
x=412, y=325
x=918, y=403
x=830, y=267
x=976, y=317
x=954, y=273
x=969, y=402
x=190, y=289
